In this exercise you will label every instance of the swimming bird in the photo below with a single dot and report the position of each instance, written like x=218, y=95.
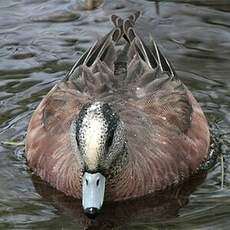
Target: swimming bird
x=120, y=125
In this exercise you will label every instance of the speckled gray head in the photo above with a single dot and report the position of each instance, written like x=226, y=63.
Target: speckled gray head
x=95, y=129
x=101, y=141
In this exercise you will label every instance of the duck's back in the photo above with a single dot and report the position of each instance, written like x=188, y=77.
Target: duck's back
x=167, y=132
x=168, y=140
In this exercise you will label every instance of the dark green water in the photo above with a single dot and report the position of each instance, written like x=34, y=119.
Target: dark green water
x=41, y=39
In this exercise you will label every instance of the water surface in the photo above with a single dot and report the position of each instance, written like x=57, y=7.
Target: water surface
x=41, y=39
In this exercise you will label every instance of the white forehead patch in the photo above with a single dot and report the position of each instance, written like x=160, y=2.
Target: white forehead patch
x=92, y=134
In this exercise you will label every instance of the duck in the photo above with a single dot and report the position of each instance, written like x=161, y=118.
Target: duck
x=120, y=125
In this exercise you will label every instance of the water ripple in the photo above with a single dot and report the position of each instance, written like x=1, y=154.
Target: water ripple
x=41, y=39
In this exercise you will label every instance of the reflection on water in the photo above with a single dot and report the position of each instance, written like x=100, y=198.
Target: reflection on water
x=152, y=209
x=40, y=40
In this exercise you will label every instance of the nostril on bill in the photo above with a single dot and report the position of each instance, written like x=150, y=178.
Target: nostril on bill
x=98, y=181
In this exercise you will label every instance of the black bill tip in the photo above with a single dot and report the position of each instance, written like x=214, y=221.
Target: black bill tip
x=91, y=212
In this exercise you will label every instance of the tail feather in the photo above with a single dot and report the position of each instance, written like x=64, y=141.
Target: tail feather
x=151, y=55
x=104, y=49
x=98, y=50
x=134, y=17
x=141, y=48
x=162, y=60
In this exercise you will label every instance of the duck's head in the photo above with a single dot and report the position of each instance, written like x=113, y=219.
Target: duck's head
x=101, y=141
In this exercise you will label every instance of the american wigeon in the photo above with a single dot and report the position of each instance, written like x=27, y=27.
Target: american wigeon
x=120, y=125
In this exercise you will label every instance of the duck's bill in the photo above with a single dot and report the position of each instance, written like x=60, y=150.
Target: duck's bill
x=93, y=189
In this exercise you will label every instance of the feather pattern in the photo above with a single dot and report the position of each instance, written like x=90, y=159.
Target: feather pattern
x=167, y=132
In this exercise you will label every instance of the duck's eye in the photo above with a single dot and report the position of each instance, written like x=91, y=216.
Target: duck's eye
x=77, y=140
x=77, y=132
x=110, y=140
